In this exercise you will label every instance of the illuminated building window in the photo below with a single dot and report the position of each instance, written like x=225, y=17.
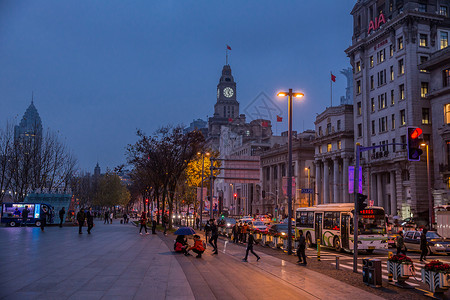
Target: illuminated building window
x=425, y=115
x=423, y=40
x=328, y=147
x=447, y=113
x=423, y=89
x=444, y=39
x=400, y=43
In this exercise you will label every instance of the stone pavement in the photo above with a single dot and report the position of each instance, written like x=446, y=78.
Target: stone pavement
x=115, y=262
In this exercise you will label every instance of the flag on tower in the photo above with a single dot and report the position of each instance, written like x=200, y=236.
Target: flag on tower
x=228, y=47
x=333, y=78
x=279, y=119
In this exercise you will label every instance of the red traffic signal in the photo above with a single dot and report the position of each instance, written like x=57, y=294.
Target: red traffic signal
x=146, y=200
x=235, y=196
x=414, y=151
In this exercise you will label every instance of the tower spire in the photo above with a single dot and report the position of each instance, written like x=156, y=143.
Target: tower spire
x=32, y=97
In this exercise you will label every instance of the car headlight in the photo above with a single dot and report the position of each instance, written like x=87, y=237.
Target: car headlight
x=283, y=233
x=228, y=224
x=438, y=245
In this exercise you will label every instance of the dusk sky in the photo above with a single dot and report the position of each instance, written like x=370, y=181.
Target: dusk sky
x=101, y=69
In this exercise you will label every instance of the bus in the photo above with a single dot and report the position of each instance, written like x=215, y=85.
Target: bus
x=11, y=213
x=333, y=225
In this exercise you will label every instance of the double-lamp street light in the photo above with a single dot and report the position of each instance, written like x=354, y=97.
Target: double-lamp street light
x=201, y=191
x=290, y=95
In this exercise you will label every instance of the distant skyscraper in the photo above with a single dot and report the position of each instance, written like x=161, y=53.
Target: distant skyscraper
x=30, y=126
x=97, y=171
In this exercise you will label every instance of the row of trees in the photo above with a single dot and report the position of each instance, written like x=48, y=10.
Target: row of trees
x=159, y=165
x=33, y=161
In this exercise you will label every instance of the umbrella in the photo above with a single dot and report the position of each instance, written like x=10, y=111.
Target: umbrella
x=185, y=231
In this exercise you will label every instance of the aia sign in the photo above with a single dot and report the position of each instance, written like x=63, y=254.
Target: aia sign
x=374, y=25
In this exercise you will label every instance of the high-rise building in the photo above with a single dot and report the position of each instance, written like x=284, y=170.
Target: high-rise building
x=30, y=127
x=390, y=39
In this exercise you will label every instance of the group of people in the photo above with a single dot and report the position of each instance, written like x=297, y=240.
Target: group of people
x=181, y=245
x=401, y=247
x=87, y=216
x=240, y=231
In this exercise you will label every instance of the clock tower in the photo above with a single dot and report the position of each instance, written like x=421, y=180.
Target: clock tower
x=227, y=105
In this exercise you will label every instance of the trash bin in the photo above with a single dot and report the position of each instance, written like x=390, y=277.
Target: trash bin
x=365, y=270
x=375, y=273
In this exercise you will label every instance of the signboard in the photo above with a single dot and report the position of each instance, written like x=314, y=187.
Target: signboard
x=241, y=169
x=374, y=25
x=307, y=191
x=351, y=180
x=285, y=186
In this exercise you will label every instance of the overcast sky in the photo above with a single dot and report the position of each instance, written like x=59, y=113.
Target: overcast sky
x=101, y=69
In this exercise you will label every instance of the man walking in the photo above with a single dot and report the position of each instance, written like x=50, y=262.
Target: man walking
x=44, y=214
x=62, y=212
x=301, y=248
x=25, y=213
x=153, y=225
x=106, y=218
x=90, y=220
x=251, y=241
x=401, y=244
x=207, y=230
x=423, y=245
x=165, y=221
x=214, y=236
x=80, y=218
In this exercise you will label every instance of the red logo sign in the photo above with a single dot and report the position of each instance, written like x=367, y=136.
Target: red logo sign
x=374, y=25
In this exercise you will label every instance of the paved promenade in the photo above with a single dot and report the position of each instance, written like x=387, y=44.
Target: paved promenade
x=115, y=262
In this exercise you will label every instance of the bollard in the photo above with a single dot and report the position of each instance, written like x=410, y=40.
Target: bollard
x=318, y=249
x=390, y=254
x=390, y=275
x=337, y=262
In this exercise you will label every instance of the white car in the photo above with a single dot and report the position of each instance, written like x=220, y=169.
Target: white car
x=259, y=225
x=246, y=219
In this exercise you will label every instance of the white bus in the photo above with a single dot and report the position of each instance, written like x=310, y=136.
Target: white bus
x=333, y=225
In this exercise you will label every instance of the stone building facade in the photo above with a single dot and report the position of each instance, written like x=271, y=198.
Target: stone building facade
x=390, y=39
x=334, y=153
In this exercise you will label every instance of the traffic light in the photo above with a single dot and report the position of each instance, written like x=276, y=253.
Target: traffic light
x=414, y=150
x=235, y=196
x=361, y=199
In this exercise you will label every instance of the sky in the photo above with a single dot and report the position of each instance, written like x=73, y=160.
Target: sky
x=100, y=70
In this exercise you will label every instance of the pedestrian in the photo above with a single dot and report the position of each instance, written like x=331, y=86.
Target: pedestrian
x=251, y=241
x=165, y=221
x=153, y=225
x=301, y=248
x=44, y=214
x=197, y=222
x=25, y=213
x=124, y=218
x=207, y=230
x=80, y=219
x=401, y=244
x=198, y=247
x=244, y=232
x=240, y=232
x=106, y=218
x=90, y=220
x=214, y=236
x=62, y=212
x=111, y=216
x=181, y=245
x=423, y=245
x=143, y=222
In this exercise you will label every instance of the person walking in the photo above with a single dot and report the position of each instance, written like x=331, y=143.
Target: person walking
x=198, y=247
x=251, y=242
x=44, y=214
x=80, y=219
x=207, y=230
x=214, y=236
x=90, y=220
x=62, y=212
x=106, y=218
x=111, y=216
x=124, y=218
x=423, y=245
x=154, y=225
x=401, y=244
x=244, y=232
x=25, y=213
x=301, y=248
x=240, y=232
x=235, y=232
x=165, y=221
x=143, y=222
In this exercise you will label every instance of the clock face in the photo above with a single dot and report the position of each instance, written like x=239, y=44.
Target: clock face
x=228, y=92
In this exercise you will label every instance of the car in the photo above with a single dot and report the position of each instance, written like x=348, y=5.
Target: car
x=280, y=229
x=229, y=222
x=436, y=243
x=258, y=225
x=264, y=218
x=246, y=219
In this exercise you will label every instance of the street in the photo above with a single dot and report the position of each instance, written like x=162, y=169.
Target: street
x=115, y=262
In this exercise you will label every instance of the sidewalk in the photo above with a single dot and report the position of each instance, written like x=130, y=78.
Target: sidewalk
x=114, y=262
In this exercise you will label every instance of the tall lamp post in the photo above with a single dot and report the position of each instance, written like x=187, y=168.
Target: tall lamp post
x=430, y=198
x=201, y=191
x=290, y=95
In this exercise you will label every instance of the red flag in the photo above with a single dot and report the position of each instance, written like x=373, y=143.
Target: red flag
x=333, y=78
x=279, y=119
x=230, y=120
x=265, y=124
x=228, y=47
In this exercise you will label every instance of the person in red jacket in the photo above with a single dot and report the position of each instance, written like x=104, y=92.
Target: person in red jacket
x=143, y=222
x=198, y=247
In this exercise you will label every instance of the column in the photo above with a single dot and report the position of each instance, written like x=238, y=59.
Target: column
x=318, y=179
x=336, y=179
x=393, y=195
x=326, y=183
x=380, y=198
x=373, y=186
x=280, y=186
x=345, y=180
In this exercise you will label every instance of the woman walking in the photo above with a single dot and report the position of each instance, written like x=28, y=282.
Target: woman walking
x=143, y=222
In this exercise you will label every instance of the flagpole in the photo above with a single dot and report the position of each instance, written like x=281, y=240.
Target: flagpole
x=331, y=90
x=226, y=51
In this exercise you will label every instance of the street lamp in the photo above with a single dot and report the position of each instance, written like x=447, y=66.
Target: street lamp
x=307, y=169
x=290, y=95
x=430, y=199
x=201, y=191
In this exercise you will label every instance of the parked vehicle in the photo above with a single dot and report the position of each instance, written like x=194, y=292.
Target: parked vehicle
x=12, y=213
x=436, y=243
x=258, y=225
x=280, y=229
x=264, y=218
x=246, y=219
x=229, y=222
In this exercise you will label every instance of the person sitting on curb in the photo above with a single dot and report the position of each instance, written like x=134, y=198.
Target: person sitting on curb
x=198, y=247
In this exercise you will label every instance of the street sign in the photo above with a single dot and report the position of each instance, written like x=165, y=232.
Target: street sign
x=307, y=191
